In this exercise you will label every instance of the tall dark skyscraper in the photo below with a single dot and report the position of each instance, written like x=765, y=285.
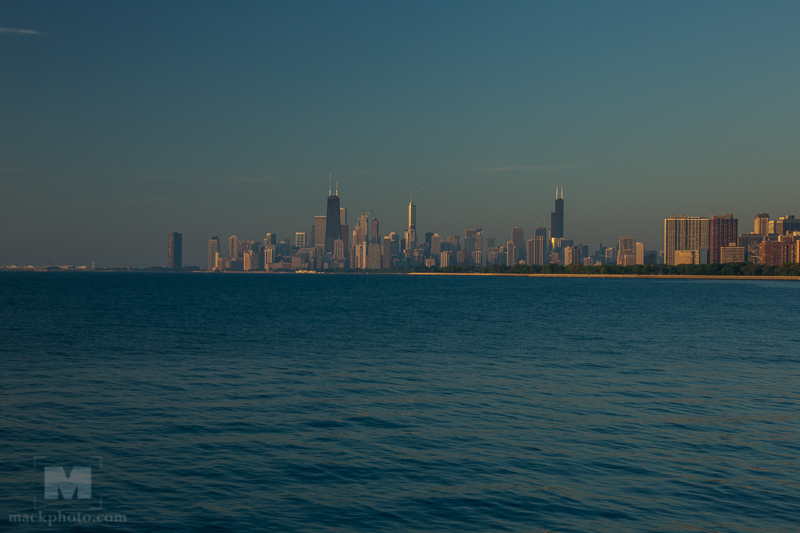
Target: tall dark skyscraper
x=175, y=250
x=333, y=222
x=557, y=217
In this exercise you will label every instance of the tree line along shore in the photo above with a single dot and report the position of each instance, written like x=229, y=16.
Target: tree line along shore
x=715, y=270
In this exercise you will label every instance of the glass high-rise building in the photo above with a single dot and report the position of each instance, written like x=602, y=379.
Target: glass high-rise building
x=175, y=250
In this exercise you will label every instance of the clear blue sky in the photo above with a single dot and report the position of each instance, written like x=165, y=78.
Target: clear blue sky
x=123, y=121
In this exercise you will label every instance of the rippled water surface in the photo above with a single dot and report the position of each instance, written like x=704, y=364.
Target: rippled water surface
x=388, y=403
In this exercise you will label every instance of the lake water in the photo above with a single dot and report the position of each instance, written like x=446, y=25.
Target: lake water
x=388, y=403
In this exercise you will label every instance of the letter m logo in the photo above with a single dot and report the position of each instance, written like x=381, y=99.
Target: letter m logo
x=80, y=480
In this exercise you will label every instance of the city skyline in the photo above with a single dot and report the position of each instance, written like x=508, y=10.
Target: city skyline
x=229, y=125
x=698, y=234
x=693, y=240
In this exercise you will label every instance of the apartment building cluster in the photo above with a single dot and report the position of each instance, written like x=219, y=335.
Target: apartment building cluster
x=716, y=239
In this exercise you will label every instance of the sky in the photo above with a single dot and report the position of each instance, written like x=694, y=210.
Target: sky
x=121, y=122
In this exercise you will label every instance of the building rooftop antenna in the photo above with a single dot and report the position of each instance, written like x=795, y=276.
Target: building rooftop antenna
x=330, y=177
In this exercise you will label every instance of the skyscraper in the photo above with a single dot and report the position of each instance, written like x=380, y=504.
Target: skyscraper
x=411, y=240
x=362, y=229
x=373, y=256
x=724, y=231
x=572, y=254
x=411, y=233
x=786, y=225
x=338, y=250
x=320, y=225
x=436, y=244
x=446, y=258
x=345, y=236
x=479, y=247
x=518, y=236
x=512, y=254
x=233, y=247
x=376, y=236
x=675, y=237
x=333, y=220
x=627, y=251
x=473, y=242
x=300, y=239
x=698, y=234
x=386, y=253
x=557, y=217
x=761, y=224
x=211, y=255
x=175, y=250
x=536, y=250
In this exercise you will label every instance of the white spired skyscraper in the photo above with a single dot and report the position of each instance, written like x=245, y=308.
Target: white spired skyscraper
x=411, y=233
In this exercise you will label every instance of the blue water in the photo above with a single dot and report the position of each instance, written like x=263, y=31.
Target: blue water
x=390, y=403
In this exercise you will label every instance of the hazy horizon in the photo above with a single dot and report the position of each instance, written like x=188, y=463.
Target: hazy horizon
x=123, y=122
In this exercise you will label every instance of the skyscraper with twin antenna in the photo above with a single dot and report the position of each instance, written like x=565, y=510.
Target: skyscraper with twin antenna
x=557, y=217
x=333, y=224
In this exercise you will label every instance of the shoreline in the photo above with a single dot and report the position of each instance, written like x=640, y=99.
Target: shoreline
x=507, y=274
x=613, y=276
